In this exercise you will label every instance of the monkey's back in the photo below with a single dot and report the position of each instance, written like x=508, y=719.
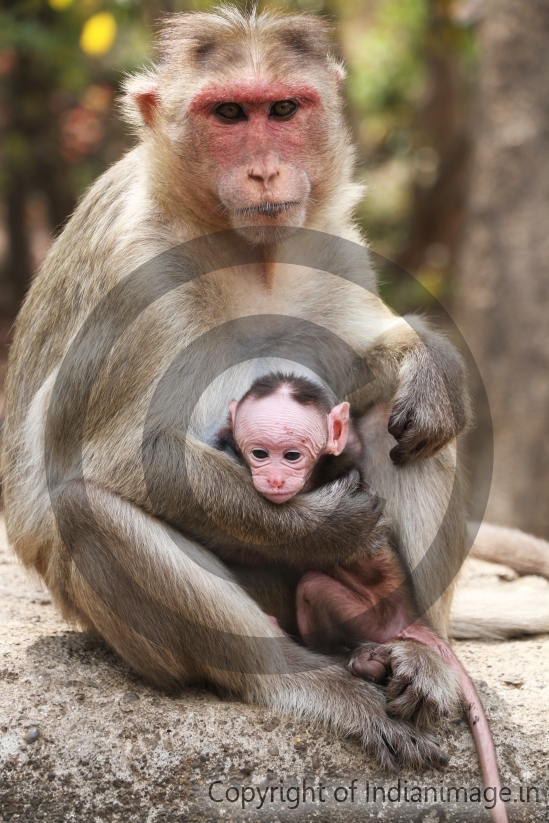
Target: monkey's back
x=93, y=252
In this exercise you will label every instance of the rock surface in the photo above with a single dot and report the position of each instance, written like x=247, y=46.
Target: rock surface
x=83, y=739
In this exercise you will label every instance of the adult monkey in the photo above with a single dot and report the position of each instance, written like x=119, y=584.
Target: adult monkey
x=241, y=128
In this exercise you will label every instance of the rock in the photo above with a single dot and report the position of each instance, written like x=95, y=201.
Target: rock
x=271, y=724
x=211, y=739
x=273, y=751
x=515, y=682
x=32, y=735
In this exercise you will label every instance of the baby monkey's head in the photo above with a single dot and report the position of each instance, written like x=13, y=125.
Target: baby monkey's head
x=282, y=426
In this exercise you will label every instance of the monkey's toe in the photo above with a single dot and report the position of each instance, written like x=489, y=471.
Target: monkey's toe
x=402, y=745
x=368, y=665
x=422, y=688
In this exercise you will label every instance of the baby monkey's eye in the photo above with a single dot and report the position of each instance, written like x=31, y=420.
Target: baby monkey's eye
x=260, y=454
x=292, y=456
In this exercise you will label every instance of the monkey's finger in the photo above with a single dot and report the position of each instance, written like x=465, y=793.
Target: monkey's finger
x=429, y=752
x=397, y=425
x=410, y=747
x=428, y=448
x=414, y=445
x=418, y=443
x=388, y=758
x=397, y=686
x=404, y=454
x=407, y=442
x=406, y=704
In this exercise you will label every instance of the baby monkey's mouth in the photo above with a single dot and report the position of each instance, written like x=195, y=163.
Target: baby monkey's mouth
x=270, y=209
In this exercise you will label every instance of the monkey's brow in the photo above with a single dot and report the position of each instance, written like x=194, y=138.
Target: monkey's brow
x=254, y=92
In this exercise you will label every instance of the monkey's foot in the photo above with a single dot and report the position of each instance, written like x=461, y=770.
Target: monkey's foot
x=421, y=687
x=356, y=709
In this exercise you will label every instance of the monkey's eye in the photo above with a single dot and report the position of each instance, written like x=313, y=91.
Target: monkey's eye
x=260, y=454
x=292, y=456
x=230, y=111
x=283, y=109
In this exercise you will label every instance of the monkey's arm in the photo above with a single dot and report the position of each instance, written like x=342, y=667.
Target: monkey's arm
x=211, y=498
x=425, y=378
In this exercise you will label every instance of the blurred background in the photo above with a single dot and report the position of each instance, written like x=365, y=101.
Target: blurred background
x=449, y=104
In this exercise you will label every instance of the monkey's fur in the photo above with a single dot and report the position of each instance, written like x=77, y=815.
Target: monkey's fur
x=112, y=553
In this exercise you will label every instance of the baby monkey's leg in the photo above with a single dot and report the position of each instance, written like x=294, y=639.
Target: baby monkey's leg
x=369, y=606
x=369, y=600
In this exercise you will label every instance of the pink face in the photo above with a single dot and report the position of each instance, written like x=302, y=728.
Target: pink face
x=281, y=440
x=255, y=138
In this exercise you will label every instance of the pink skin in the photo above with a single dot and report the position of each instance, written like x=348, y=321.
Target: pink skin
x=261, y=159
x=252, y=92
x=281, y=441
x=258, y=170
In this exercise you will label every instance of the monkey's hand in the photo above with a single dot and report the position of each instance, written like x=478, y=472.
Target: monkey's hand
x=220, y=508
x=432, y=404
x=421, y=686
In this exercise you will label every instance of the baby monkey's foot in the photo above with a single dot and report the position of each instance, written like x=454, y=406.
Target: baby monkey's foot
x=420, y=686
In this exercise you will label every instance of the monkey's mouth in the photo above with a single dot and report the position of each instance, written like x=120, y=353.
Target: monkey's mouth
x=269, y=209
x=279, y=497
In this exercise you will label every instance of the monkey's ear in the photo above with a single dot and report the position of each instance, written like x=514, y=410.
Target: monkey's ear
x=141, y=99
x=338, y=70
x=338, y=429
x=147, y=102
x=232, y=413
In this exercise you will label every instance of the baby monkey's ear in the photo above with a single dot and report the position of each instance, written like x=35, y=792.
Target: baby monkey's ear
x=232, y=413
x=338, y=429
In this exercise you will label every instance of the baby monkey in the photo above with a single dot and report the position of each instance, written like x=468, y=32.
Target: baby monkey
x=293, y=439
x=289, y=434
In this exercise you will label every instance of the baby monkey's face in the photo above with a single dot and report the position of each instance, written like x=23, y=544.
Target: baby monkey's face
x=281, y=440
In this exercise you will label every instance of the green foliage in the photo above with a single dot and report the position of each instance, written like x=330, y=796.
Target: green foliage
x=387, y=68
x=388, y=86
x=54, y=96
x=57, y=102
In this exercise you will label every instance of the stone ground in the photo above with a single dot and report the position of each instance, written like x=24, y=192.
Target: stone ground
x=83, y=739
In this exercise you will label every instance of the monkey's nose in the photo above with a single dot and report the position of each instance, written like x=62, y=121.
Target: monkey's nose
x=265, y=170
x=276, y=481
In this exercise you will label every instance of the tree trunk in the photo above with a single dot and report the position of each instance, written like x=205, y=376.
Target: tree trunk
x=502, y=299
